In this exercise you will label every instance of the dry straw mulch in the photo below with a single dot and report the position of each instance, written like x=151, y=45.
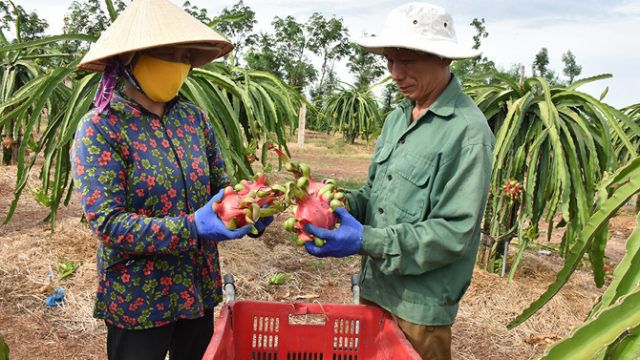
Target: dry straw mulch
x=28, y=272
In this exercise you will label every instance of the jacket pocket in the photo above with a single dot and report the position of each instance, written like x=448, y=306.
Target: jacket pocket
x=379, y=160
x=410, y=192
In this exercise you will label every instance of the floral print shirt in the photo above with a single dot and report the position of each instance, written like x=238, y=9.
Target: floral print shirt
x=140, y=178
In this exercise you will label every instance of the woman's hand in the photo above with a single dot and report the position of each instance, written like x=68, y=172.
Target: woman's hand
x=211, y=228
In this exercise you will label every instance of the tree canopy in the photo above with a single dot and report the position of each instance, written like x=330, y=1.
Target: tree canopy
x=25, y=26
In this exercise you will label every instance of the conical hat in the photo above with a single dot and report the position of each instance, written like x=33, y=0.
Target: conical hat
x=151, y=23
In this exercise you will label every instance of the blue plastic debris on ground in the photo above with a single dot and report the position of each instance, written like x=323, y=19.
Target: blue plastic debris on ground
x=57, y=298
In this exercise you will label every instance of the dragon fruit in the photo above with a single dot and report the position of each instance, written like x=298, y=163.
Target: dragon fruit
x=317, y=209
x=312, y=202
x=248, y=202
x=327, y=187
x=315, y=201
x=237, y=211
x=266, y=194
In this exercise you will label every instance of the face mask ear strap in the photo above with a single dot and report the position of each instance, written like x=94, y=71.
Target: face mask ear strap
x=134, y=60
x=127, y=72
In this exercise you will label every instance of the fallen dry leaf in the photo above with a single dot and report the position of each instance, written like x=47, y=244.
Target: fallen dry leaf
x=310, y=296
x=45, y=289
x=251, y=278
x=542, y=339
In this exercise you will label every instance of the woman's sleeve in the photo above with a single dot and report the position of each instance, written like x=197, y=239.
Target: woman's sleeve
x=100, y=179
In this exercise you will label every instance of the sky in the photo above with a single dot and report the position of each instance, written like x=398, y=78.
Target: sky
x=604, y=36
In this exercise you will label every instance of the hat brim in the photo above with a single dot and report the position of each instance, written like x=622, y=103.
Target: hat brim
x=201, y=54
x=146, y=24
x=443, y=48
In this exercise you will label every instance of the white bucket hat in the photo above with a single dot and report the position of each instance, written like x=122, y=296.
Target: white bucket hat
x=146, y=24
x=422, y=27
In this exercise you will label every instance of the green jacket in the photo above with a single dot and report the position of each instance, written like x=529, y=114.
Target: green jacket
x=422, y=206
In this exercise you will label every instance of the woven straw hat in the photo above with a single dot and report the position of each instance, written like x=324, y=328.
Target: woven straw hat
x=422, y=27
x=151, y=23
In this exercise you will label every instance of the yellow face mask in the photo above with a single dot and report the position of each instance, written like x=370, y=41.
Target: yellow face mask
x=160, y=80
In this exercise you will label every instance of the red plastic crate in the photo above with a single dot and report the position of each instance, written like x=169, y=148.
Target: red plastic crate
x=260, y=330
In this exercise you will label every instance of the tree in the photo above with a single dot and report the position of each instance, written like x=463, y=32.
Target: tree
x=481, y=32
x=329, y=39
x=237, y=24
x=292, y=44
x=390, y=96
x=86, y=18
x=571, y=68
x=540, y=63
x=552, y=77
x=365, y=66
x=352, y=112
x=200, y=14
x=612, y=328
x=462, y=69
x=553, y=147
x=16, y=70
x=262, y=54
x=27, y=26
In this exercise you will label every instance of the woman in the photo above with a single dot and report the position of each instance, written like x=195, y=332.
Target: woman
x=145, y=165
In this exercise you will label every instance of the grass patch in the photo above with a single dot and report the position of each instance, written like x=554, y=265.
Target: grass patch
x=336, y=147
x=316, y=264
x=343, y=183
x=350, y=184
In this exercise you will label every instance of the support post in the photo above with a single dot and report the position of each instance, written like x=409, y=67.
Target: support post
x=301, y=124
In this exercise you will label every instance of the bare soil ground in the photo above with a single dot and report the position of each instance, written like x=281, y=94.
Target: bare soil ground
x=30, y=253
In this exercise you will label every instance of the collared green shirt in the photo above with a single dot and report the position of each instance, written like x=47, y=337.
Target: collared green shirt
x=422, y=207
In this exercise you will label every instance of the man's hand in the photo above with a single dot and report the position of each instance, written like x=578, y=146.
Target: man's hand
x=344, y=241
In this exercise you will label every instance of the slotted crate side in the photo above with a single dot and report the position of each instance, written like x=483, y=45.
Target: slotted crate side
x=221, y=346
x=338, y=330
x=261, y=330
x=392, y=344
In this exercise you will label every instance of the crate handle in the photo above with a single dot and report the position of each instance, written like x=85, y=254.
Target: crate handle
x=304, y=309
x=308, y=314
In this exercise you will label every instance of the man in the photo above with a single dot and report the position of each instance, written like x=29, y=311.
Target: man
x=417, y=221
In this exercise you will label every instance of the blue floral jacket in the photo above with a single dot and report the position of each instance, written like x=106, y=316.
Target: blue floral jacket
x=140, y=179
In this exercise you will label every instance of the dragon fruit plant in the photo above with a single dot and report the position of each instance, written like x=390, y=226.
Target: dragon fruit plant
x=315, y=202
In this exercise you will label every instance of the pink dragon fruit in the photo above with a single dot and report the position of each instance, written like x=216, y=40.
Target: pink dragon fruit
x=248, y=202
x=315, y=209
x=235, y=210
x=316, y=201
x=266, y=193
x=303, y=171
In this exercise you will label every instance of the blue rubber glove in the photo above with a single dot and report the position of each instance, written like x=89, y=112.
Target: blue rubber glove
x=344, y=241
x=211, y=228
